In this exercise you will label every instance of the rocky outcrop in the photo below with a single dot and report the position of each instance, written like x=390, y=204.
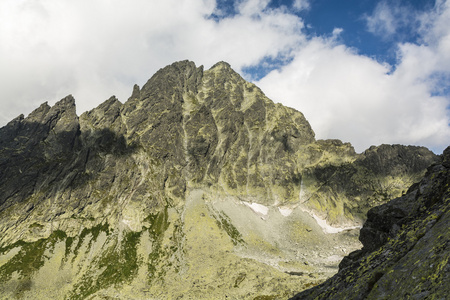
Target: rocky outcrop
x=36, y=149
x=197, y=185
x=405, y=252
x=346, y=185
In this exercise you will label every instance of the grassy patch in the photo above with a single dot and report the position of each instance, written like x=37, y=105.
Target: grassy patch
x=224, y=222
x=31, y=256
x=119, y=264
x=94, y=231
x=158, y=226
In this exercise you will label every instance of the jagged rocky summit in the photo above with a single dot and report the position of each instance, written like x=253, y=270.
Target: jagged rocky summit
x=406, y=247
x=197, y=186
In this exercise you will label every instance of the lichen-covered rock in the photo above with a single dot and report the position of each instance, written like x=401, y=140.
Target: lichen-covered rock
x=197, y=185
x=348, y=185
x=405, y=252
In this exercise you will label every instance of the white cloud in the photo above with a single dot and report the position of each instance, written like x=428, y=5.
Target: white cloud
x=336, y=32
x=301, y=5
x=352, y=97
x=383, y=21
x=94, y=49
x=252, y=7
x=389, y=18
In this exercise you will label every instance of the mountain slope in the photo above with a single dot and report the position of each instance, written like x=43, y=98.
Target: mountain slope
x=406, y=247
x=198, y=185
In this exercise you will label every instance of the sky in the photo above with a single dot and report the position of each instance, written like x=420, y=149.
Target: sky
x=364, y=71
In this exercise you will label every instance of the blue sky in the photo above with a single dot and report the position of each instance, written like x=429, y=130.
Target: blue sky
x=351, y=16
x=321, y=17
x=363, y=71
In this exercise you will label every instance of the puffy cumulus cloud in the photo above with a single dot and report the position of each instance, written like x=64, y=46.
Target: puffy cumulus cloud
x=94, y=49
x=355, y=98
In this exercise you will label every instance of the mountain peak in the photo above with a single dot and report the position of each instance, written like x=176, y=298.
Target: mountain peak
x=221, y=64
x=67, y=102
x=197, y=185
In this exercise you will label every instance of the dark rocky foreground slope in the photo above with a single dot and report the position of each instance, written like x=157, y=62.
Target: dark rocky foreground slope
x=197, y=186
x=406, y=247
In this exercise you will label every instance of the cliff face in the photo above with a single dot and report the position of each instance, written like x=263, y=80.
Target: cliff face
x=343, y=186
x=405, y=252
x=197, y=185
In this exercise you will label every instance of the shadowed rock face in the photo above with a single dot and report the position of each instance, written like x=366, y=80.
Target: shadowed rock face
x=405, y=247
x=348, y=189
x=197, y=185
x=34, y=150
